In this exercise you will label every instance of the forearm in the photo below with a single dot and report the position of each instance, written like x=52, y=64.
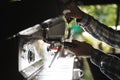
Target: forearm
x=100, y=31
x=108, y=64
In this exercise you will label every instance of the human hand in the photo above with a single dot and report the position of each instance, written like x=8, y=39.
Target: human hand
x=80, y=48
x=74, y=11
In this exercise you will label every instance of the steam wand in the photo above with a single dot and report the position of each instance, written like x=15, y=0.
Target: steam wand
x=59, y=48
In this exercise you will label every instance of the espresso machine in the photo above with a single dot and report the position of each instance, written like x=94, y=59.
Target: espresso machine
x=41, y=53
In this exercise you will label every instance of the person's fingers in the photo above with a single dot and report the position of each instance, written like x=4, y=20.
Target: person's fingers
x=70, y=15
x=67, y=13
x=76, y=42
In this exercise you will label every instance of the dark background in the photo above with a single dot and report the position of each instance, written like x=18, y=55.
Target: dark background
x=19, y=15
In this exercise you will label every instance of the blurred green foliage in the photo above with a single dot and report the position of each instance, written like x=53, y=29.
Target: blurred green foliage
x=104, y=13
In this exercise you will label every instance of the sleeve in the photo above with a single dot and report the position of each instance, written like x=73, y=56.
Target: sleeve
x=108, y=64
x=100, y=31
